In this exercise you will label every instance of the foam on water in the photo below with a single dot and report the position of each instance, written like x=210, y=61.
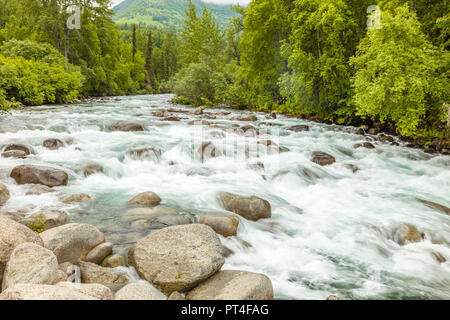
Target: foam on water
x=330, y=227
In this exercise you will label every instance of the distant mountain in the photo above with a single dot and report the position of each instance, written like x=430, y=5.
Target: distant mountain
x=165, y=14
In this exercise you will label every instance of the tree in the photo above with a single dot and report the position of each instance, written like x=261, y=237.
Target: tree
x=134, y=41
x=400, y=75
x=148, y=59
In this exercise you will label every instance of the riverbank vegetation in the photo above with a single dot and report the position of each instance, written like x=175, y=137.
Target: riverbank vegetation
x=312, y=58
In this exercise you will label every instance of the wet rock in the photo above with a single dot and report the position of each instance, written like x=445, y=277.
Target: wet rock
x=322, y=158
x=407, y=233
x=352, y=167
x=113, y=261
x=438, y=257
x=178, y=258
x=49, y=218
x=385, y=139
x=172, y=119
x=234, y=285
x=225, y=225
x=299, y=128
x=223, y=113
x=244, y=117
x=362, y=130
x=332, y=297
x=436, y=206
x=251, y=208
x=72, y=242
x=42, y=292
x=197, y=112
x=94, y=290
x=47, y=176
x=77, y=198
x=373, y=131
x=12, y=235
x=147, y=199
x=53, y=144
x=162, y=222
x=208, y=151
x=37, y=189
x=92, y=273
x=176, y=296
x=366, y=145
x=17, y=147
x=32, y=264
x=146, y=213
x=14, y=154
x=99, y=253
x=151, y=153
x=139, y=291
x=4, y=194
x=161, y=114
x=92, y=169
x=272, y=115
x=126, y=127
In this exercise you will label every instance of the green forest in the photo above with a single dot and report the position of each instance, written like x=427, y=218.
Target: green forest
x=311, y=58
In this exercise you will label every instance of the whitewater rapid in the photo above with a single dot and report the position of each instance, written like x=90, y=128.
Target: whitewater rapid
x=329, y=231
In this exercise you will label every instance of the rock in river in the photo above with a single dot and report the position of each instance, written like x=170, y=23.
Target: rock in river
x=17, y=147
x=178, y=258
x=49, y=218
x=147, y=199
x=47, y=176
x=53, y=144
x=251, y=208
x=76, y=198
x=99, y=253
x=299, y=128
x=208, y=150
x=234, y=285
x=407, y=233
x=92, y=273
x=225, y=225
x=139, y=291
x=244, y=117
x=4, y=194
x=322, y=158
x=126, y=127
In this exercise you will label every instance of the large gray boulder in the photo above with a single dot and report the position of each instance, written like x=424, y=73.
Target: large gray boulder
x=251, y=208
x=47, y=176
x=13, y=234
x=234, y=285
x=139, y=291
x=42, y=292
x=32, y=264
x=178, y=258
x=72, y=242
x=4, y=194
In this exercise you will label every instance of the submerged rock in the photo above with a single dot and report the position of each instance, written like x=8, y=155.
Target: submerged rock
x=139, y=291
x=234, y=285
x=436, y=206
x=322, y=158
x=146, y=154
x=251, y=208
x=208, y=151
x=4, y=194
x=299, y=128
x=76, y=198
x=145, y=213
x=38, y=190
x=352, y=167
x=30, y=263
x=438, y=257
x=244, y=117
x=407, y=233
x=126, y=127
x=72, y=242
x=53, y=144
x=148, y=199
x=47, y=176
x=178, y=258
x=366, y=145
x=225, y=225
x=92, y=169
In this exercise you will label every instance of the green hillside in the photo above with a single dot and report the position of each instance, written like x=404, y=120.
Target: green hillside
x=164, y=14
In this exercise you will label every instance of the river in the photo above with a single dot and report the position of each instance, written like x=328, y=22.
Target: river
x=330, y=227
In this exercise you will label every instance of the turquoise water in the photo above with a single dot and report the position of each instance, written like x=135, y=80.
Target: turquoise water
x=330, y=227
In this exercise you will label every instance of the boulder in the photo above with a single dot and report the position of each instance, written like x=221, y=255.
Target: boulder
x=113, y=261
x=32, y=264
x=234, y=285
x=10, y=215
x=197, y=112
x=92, y=169
x=244, y=117
x=366, y=145
x=299, y=128
x=225, y=225
x=17, y=147
x=165, y=221
x=99, y=253
x=37, y=189
x=385, y=139
x=14, y=154
x=362, y=130
x=251, y=208
x=72, y=242
x=139, y=291
x=146, y=213
x=47, y=176
x=94, y=290
x=53, y=144
x=208, y=151
x=147, y=199
x=93, y=273
x=76, y=198
x=178, y=258
x=322, y=158
x=126, y=127
x=42, y=292
x=13, y=234
x=49, y=218
x=406, y=233
x=4, y=194
x=172, y=118
x=145, y=154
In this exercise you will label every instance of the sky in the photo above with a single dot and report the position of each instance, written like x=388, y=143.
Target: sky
x=242, y=2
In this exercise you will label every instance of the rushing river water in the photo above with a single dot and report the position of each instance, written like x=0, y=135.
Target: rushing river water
x=330, y=227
